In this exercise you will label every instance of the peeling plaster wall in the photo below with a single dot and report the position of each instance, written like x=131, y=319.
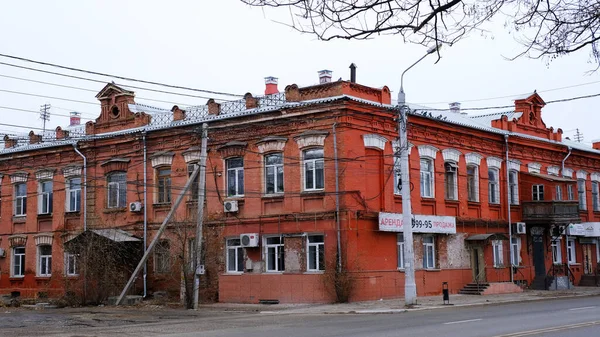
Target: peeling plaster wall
x=294, y=257
x=458, y=254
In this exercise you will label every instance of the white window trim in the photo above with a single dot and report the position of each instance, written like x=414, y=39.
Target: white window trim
x=570, y=192
x=13, y=260
x=595, y=196
x=425, y=245
x=535, y=192
x=67, y=264
x=495, y=198
x=476, y=183
x=498, y=253
x=320, y=249
x=41, y=259
x=167, y=190
x=514, y=198
x=431, y=191
x=556, y=245
x=236, y=248
x=400, y=247
x=571, y=252
x=581, y=195
x=516, y=254
x=45, y=195
x=236, y=172
x=454, y=180
x=20, y=199
x=314, y=171
x=275, y=181
x=558, y=192
x=279, y=249
x=68, y=190
x=115, y=185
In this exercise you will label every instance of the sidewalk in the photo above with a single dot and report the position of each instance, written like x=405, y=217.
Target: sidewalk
x=397, y=305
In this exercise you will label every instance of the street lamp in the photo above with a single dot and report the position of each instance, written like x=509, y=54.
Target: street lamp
x=410, y=287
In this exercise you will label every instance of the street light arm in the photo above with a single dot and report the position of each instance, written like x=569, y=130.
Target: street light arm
x=401, y=96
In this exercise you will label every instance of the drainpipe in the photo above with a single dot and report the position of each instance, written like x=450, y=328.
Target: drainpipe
x=566, y=236
x=84, y=186
x=512, y=276
x=145, y=211
x=337, y=201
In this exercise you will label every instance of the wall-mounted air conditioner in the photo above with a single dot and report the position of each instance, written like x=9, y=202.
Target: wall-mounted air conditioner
x=135, y=206
x=521, y=228
x=249, y=240
x=230, y=206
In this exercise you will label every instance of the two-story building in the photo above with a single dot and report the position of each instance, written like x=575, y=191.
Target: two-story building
x=298, y=183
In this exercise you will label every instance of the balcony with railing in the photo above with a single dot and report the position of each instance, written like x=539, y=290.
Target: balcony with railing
x=551, y=212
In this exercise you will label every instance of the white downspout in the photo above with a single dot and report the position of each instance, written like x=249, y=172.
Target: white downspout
x=84, y=186
x=512, y=276
x=566, y=235
x=145, y=212
x=337, y=201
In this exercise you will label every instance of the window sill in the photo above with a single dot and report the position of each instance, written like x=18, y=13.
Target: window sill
x=114, y=210
x=452, y=201
x=319, y=193
x=474, y=203
x=274, y=272
x=16, y=278
x=161, y=205
x=314, y=272
x=273, y=196
x=574, y=264
x=44, y=216
x=496, y=205
x=43, y=278
x=234, y=273
x=19, y=218
x=402, y=270
x=428, y=198
x=432, y=269
x=72, y=214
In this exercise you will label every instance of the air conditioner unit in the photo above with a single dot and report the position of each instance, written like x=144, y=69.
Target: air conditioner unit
x=230, y=206
x=521, y=228
x=135, y=206
x=249, y=240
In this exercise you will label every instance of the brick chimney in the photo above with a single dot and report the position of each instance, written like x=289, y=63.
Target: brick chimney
x=595, y=144
x=271, y=85
x=8, y=142
x=325, y=76
x=33, y=138
x=251, y=102
x=178, y=114
x=214, y=108
x=61, y=134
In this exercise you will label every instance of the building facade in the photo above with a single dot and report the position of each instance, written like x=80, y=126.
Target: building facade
x=299, y=183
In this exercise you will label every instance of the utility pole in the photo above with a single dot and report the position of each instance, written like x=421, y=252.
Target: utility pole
x=45, y=114
x=201, y=193
x=410, y=287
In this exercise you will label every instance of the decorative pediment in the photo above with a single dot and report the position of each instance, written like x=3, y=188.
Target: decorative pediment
x=595, y=176
x=581, y=174
x=427, y=151
x=451, y=155
x=18, y=177
x=374, y=141
x=17, y=240
x=271, y=144
x=553, y=170
x=43, y=239
x=473, y=158
x=534, y=167
x=514, y=165
x=162, y=158
x=44, y=174
x=71, y=171
x=494, y=162
x=396, y=147
x=111, y=89
x=567, y=172
x=311, y=138
x=233, y=149
x=191, y=155
x=115, y=164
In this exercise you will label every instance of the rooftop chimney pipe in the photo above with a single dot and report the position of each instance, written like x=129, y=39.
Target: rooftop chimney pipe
x=271, y=85
x=353, y=73
x=455, y=107
x=75, y=118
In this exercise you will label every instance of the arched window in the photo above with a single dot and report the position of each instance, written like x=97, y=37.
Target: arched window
x=473, y=183
x=493, y=186
x=427, y=180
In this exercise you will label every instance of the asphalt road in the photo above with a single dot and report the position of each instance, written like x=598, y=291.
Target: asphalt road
x=564, y=317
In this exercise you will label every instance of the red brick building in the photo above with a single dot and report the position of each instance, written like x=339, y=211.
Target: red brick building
x=295, y=171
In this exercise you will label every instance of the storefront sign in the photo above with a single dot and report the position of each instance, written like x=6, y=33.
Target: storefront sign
x=392, y=222
x=591, y=229
x=576, y=230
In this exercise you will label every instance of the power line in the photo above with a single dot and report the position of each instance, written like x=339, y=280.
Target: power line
x=119, y=77
x=45, y=114
x=48, y=97
x=36, y=112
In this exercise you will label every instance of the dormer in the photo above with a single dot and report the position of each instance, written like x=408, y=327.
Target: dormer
x=530, y=122
x=114, y=111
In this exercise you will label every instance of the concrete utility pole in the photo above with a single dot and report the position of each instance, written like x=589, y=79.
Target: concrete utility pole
x=45, y=114
x=410, y=287
x=201, y=193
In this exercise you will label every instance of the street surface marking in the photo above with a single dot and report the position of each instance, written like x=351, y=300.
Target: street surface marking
x=582, y=308
x=465, y=321
x=552, y=329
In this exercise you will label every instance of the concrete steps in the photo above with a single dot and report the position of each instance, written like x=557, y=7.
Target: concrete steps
x=473, y=289
x=589, y=281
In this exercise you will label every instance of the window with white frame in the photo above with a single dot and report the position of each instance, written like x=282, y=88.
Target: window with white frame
x=450, y=180
x=493, y=186
x=314, y=174
x=428, y=252
x=274, y=254
x=473, y=183
x=20, y=199
x=18, y=261
x=45, y=260
x=235, y=176
x=162, y=257
x=571, y=257
x=427, y=183
x=316, y=253
x=595, y=197
x=117, y=189
x=581, y=194
x=515, y=246
x=537, y=192
x=556, y=252
x=400, y=246
x=235, y=256
x=163, y=180
x=73, y=187
x=498, y=254
x=274, y=173
x=513, y=187
x=194, y=188
x=71, y=264
x=559, y=192
x=45, y=197
x=570, y=193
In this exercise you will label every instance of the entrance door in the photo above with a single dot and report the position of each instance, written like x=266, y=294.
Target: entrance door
x=538, y=252
x=587, y=260
x=478, y=264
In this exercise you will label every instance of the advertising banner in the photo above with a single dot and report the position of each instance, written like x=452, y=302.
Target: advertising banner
x=392, y=222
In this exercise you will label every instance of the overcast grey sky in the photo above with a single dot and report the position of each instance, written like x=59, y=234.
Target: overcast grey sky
x=227, y=46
